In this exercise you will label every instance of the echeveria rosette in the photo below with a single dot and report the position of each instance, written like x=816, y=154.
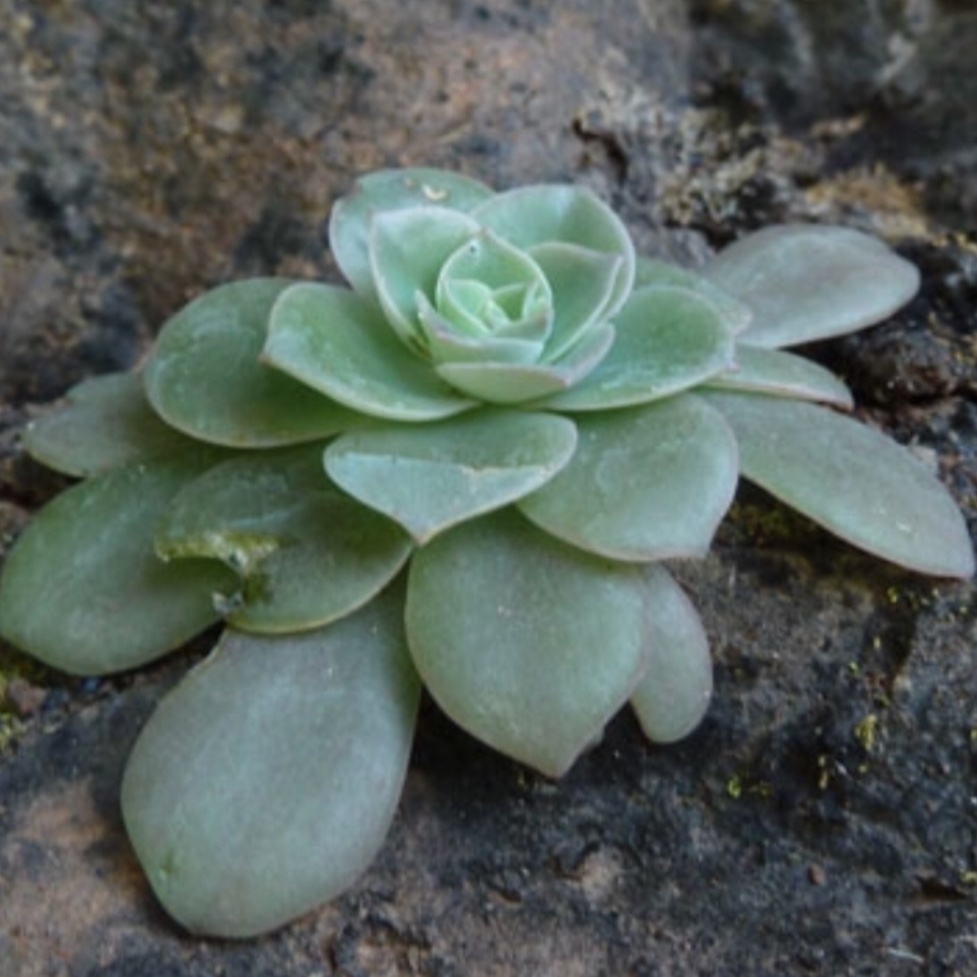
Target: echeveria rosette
x=463, y=468
x=501, y=300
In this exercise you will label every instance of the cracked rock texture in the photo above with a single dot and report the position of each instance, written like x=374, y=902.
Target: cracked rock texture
x=823, y=820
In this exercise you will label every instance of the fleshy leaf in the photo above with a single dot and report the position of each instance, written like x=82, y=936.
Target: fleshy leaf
x=339, y=344
x=783, y=374
x=105, y=422
x=458, y=299
x=265, y=782
x=306, y=554
x=650, y=272
x=668, y=339
x=429, y=477
x=512, y=383
x=407, y=251
x=204, y=377
x=527, y=643
x=851, y=479
x=387, y=190
x=647, y=483
x=445, y=342
x=807, y=282
x=83, y=589
x=674, y=694
x=554, y=213
x=582, y=282
x=501, y=286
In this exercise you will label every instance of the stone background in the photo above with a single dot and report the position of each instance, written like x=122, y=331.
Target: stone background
x=823, y=820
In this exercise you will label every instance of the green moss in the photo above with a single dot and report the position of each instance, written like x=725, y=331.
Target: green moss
x=16, y=666
x=10, y=730
x=738, y=787
x=765, y=525
x=865, y=731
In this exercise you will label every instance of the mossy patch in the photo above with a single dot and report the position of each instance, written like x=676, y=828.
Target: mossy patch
x=14, y=666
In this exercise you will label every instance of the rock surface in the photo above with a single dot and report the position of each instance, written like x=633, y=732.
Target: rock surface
x=823, y=820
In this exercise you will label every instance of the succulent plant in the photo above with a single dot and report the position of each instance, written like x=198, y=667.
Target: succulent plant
x=464, y=469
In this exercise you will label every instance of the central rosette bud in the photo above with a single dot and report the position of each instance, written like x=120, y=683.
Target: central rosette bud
x=492, y=302
x=502, y=298
x=460, y=296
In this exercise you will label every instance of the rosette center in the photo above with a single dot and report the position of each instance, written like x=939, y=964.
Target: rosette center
x=492, y=302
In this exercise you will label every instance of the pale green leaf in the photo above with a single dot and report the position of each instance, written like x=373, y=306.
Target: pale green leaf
x=305, y=553
x=265, y=782
x=851, y=479
x=526, y=643
x=445, y=342
x=461, y=297
x=495, y=269
x=668, y=339
x=674, y=694
x=340, y=345
x=204, y=377
x=582, y=282
x=105, y=422
x=512, y=383
x=644, y=484
x=558, y=213
x=384, y=191
x=807, y=282
x=429, y=477
x=783, y=374
x=651, y=272
x=408, y=249
x=83, y=590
